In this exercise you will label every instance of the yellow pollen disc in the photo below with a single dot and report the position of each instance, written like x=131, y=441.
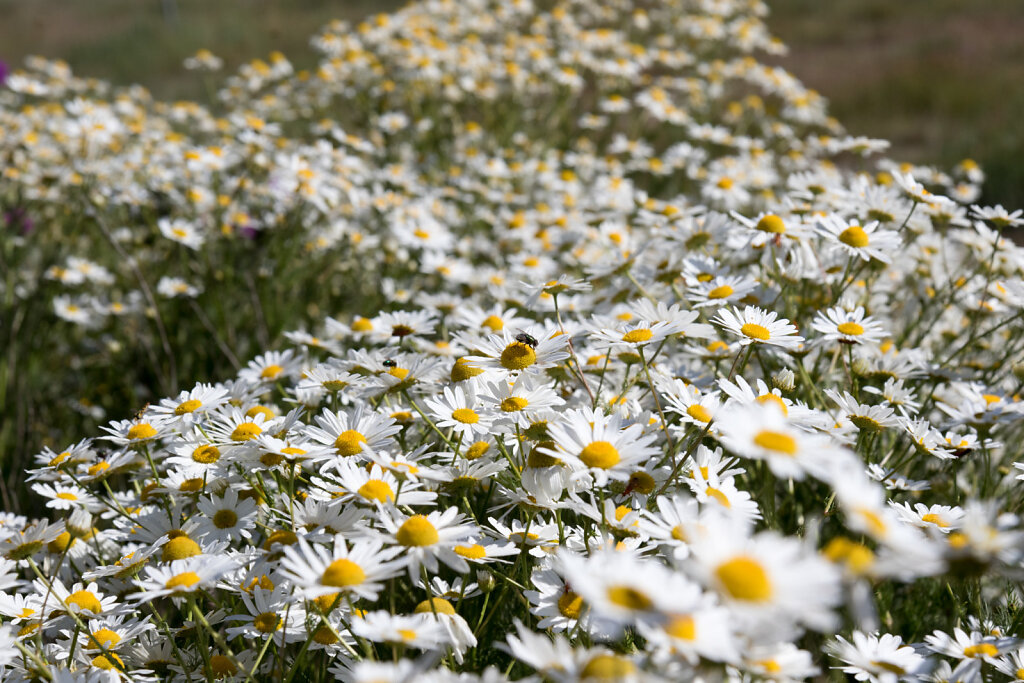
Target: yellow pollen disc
x=776, y=441
x=681, y=626
x=292, y=451
x=462, y=370
x=342, y=573
x=225, y=519
x=465, y=416
x=517, y=356
x=271, y=459
x=934, y=519
x=222, y=666
x=717, y=346
x=699, y=413
x=141, y=431
x=600, y=454
x=99, y=467
x=327, y=602
x=246, y=431
x=608, y=667
x=679, y=534
x=417, y=531
x=514, y=404
x=191, y=485
x=641, y=482
x=854, y=236
x=84, y=600
x=179, y=548
x=399, y=373
x=876, y=525
x=268, y=622
x=720, y=292
x=361, y=325
x=189, y=406
x=183, y=580
x=282, y=536
x=206, y=454
x=271, y=372
x=570, y=604
x=376, y=489
x=324, y=636
x=64, y=495
x=407, y=634
x=725, y=183
x=471, y=552
x=851, y=329
x=744, y=579
x=771, y=223
x=477, y=450
x=104, y=662
x=773, y=399
x=719, y=497
x=755, y=331
x=349, y=442
x=958, y=541
x=105, y=638
x=621, y=511
x=770, y=666
x=439, y=605
x=638, y=336
x=493, y=322
x=990, y=399
x=267, y=413
x=981, y=650
x=629, y=598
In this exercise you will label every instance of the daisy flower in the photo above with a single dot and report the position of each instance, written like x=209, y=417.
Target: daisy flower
x=454, y=410
x=511, y=352
x=757, y=326
x=848, y=327
x=519, y=403
x=421, y=631
x=190, y=406
x=865, y=242
x=349, y=432
x=600, y=444
x=635, y=336
x=226, y=518
x=876, y=658
x=269, y=613
x=371, y=484
x=181, y=576
x=427, y=538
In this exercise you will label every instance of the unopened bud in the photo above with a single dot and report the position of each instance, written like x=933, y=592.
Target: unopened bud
x=1018, y=370
x=784, y=380
x=486, y=581
x=79, y=523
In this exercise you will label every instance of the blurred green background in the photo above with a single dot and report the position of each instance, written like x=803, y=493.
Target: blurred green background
x=942, y=79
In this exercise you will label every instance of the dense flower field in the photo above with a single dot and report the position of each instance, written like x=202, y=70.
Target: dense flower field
x=557, y=341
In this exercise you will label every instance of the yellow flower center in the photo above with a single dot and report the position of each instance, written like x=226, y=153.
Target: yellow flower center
x=570, y=605
x=493, y=322
x=776, y=441
x=104, y=637
x=189, y=406
x=417, y=531
x=462, y=370
x=517, y=356
x=719, y=497
x=349, y=442
x=638, y=335
x=361, y=325
x=934, y=519
x=376, y=489
x=104, y=662
x=514, y=404
x=682, y=626
x=342, y=573
x=854, y=236
x=246, y=431
x=755, y=331
x=267, y=413
x=641, y=482
x=608, y=667
x=179, y=548
x=84, y=600
x=324, y=636
x=191, y=485
x=268, y=622
x=438, y=605
x=699, y=413
x=327, y=602
x=629, y=598
x=600, y=454
x=720, y=292
x=474, y=551
x=465, y=416
x=744, y=578
x=64, y=495
x=225, y=519
x=981, y=650
x=771, y=223
x=775, y=400
x=477, y=450
x=207, y=455
x=850, y=328
x=141, y=431
x=61, y=543
x=222, y=666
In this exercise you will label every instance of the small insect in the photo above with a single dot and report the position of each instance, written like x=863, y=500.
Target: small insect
x=140, y=412
x=527, y=339
x=390, y=363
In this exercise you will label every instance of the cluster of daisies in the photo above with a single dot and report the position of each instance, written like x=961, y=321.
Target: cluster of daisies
x=627, y=376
